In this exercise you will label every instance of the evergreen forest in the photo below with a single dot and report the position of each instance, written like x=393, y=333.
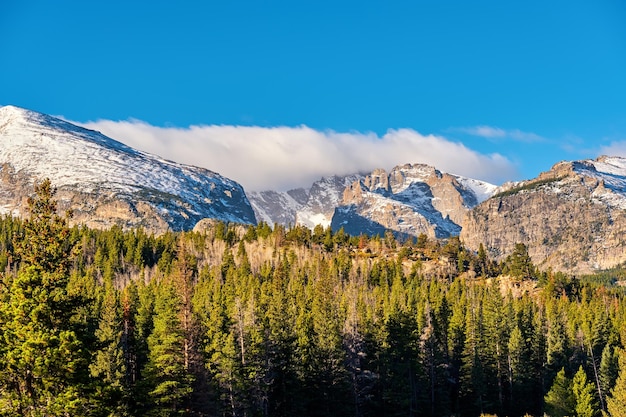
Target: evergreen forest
x=286, y=321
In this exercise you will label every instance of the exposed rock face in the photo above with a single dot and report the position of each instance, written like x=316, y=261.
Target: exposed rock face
x=308, y=207
x=105, y=182
x=410, y=200
x=571, y=218
x=324, y=196
x=277, y=206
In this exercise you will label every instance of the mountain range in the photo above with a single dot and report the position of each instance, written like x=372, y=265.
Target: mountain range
x=571, y=218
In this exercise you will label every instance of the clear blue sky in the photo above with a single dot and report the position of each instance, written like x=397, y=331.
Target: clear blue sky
x=546, y=80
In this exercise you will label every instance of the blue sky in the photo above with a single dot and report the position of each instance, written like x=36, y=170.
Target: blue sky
x=491, y=89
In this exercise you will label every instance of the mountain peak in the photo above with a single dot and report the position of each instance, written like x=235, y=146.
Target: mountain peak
x=85, y=162
x=571, y=218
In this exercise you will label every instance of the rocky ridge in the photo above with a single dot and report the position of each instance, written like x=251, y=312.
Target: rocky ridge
x=409, y=200
x=303, y=206
x=107, y=183
x=571, y=218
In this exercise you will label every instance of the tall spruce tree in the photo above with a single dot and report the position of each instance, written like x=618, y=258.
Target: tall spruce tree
x=108, y=364
x=616, y=402
x=584, y=394
x=42, y=372
x=167, y=379
x=560, y=401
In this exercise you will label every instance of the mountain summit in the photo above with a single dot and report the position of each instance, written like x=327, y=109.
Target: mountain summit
x=105, y=182
x=571, y=218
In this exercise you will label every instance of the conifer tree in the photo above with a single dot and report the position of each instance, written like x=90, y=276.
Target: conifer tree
x=560, y=401
x=168, y=381
x=129, y=302
x=518, y=264
x=108, y=365
x=609, y=368
x=584, y=395
x=616, y=402
x=41, y=372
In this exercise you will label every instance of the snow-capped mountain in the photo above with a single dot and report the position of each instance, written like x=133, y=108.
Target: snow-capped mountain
x=410, y=200
x=303, y=206
x=324, y=196
x=277, y=207
x=571, y=218
x=106, y=182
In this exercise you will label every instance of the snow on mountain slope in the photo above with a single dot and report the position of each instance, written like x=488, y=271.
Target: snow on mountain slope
x=611, y=171
x=324, y=196
x=307, y=207
x=482, y=190
x=571, y=218
x=409, y=200
x=274, y=207
x=34, y=146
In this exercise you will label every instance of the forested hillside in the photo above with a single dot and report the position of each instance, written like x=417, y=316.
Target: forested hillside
x=254, y=321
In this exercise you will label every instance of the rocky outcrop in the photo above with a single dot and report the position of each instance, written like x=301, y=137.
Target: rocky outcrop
x=410, y=200
x=572, y=218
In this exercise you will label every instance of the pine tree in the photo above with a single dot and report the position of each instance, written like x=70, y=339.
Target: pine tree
x=41, y=372
x=108, y=365
x=168, y=381
x=560, y=401
x=609, y=368
x=497, y=319
x=616, y=402
x=519, y=264
x=584, y=395
x=328, y=377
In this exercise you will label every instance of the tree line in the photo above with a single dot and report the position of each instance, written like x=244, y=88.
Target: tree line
x=260, y=321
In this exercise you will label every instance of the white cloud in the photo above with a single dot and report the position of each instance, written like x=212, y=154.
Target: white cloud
x=617, y=148
x=484, y=131
x=491, y=132
x=282, y=158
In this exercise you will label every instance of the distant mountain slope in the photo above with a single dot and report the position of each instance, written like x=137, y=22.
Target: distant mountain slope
x=106, y=182
x=409, y=200
x=277, y=206
x=308, y=207
x=571, y=218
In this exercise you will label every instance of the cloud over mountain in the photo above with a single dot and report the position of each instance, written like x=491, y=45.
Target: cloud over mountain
x=616, y=148
x=281, y=158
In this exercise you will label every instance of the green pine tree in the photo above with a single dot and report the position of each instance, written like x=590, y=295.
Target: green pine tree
x=560, y=401
x=616, y=402
x=609, y=368
x=584, y=394
x=108, y=365
x=43, y=358
x=168, y=381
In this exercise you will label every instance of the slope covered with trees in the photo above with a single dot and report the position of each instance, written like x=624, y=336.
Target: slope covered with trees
x=254, y=321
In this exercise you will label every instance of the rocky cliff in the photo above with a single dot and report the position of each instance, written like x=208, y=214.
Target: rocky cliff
x=409, y=200
x=571, y=218
x=303, y=206
x=105, y=182
x=277, y=207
